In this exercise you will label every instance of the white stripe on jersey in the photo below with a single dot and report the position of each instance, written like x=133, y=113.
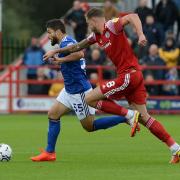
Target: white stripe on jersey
x=124, y=86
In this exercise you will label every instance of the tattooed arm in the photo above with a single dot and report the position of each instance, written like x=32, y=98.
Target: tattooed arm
x=69, y=49
x=76, y=56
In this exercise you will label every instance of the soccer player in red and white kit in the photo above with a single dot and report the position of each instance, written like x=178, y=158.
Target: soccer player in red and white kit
x=129, y=82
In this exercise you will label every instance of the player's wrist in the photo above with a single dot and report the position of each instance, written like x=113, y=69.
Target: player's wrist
x=140, y=34
x=55, y=51
x=61, y=60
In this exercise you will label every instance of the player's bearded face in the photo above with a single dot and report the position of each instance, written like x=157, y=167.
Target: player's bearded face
x=54, y=40
x=92, y=25
x=52, y=36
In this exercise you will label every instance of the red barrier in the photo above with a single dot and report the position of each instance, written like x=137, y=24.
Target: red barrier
x=12, y=77
x=98, y=68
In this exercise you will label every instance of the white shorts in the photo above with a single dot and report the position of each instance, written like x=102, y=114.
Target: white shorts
x=76, y=102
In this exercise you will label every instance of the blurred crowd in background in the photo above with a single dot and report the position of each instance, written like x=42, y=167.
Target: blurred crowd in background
x=161, y=25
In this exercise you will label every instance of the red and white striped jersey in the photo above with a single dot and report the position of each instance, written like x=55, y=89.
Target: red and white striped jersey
x=115, y=43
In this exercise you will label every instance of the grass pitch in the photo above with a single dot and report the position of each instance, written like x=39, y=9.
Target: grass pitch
x=102, y=155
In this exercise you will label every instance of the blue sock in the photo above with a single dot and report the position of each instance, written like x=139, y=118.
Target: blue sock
x=53, y=132
x=107, y=122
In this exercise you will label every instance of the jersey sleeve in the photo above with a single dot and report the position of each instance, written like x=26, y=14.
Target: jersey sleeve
x=66, y=43
x=115, y=25
x=70, y=43
x=92, y=38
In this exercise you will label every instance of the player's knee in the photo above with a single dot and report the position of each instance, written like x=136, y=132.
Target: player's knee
x=53, y=115
x=87, y=126
x=89, y=101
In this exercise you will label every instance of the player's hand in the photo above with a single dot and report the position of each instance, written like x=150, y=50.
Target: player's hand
x=49, y=54
x=56, y=60
x=142, y=40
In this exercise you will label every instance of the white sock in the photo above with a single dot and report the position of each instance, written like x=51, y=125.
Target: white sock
x=174, y=148
x=129, y=114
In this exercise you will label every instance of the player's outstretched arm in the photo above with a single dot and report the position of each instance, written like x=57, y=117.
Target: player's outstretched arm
x=71, y=57
x=69, y=49
x=134, y=20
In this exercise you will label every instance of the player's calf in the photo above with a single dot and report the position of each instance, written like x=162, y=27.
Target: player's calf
x=87, y=123
x=93, y=97
x=90, y=125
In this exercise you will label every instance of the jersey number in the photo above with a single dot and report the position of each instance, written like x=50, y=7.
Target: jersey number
x=78, y=107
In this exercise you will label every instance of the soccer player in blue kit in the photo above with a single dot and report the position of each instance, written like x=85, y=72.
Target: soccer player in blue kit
x=72, y=97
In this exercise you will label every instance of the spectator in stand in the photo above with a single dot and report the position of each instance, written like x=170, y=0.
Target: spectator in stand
x=171, y=89
x=94, y=79
x=153, y=59
x=153, y=32
x=121, y=5
x=167, y=14
x=75, y=17
x=170, y=34
x=110, y=10
x=143, y=11
x=177, y=2
x=33, y=56
x=139, y=51
x=56, y=87
x=85, y=6
x=96, y=57
x=151, y=89
x=170, y=53
x=40, y=89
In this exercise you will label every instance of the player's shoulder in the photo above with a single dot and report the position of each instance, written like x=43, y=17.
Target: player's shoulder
x=113, y=21
x=67, y=41
x=114, y=25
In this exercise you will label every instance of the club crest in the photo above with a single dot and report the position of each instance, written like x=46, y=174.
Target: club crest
x=115, y=20
x=107, y=34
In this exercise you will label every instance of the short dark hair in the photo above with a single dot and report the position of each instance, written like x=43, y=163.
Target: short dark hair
x=94, y=12
x=56, y=24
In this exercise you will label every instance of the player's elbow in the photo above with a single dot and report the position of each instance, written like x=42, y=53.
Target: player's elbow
x=129, y=19
x=81, y=54
x=78, y=55
x=133, y=16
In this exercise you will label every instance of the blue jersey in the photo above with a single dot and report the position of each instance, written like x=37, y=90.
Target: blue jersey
x=74, y=73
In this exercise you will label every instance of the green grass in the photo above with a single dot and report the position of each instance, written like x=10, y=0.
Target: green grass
x=102, y=155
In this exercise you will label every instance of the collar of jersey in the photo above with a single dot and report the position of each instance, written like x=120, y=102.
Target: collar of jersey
x=63, y=39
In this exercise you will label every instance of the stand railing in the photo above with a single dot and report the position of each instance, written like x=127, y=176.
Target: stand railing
x=11, y=82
